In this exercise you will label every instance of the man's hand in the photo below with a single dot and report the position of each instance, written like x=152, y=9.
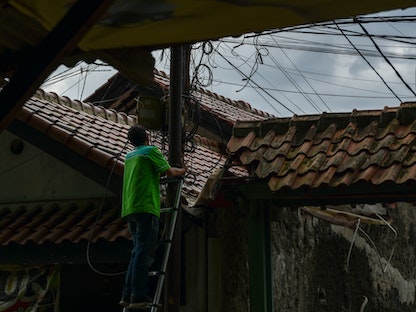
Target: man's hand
x=175, y=171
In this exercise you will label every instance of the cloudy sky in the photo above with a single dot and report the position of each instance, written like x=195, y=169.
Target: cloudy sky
x=336, y=66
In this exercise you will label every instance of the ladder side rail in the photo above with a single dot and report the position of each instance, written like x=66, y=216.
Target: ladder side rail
x=165, y=260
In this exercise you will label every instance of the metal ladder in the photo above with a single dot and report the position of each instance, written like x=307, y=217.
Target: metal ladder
x=167, y=242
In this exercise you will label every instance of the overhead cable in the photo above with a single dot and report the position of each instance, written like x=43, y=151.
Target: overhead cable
x=256, y=84
x=387, y=96
x=320, y=47
x=346, y=21
x=369, y=64
x=304, y=78
x=386, y=59
x=259, y=60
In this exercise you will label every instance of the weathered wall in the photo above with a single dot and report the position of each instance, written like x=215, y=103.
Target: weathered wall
x=313, y=267
x=314, y=271
x=228, y=226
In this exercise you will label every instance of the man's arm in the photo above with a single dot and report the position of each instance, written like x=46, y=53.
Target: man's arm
x=175, y=172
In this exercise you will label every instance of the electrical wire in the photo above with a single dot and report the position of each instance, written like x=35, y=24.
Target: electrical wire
x=280, y=67
x=300, y=91
x=88, y=252
x=363, y=19
x=392, y=38
x=349, y=86
x=387, y=95
x=297, y=87
x=304, y=78
x=20, y=164
x=207, y=50
x=373, y=244
x=257, y=85
x=69, y=73
x=369, y=64
x=386, y=59
x=347, y=262
x=321, y=47
x=196, y=116
x=258, y=59
x=83, y=84
x=259, y=41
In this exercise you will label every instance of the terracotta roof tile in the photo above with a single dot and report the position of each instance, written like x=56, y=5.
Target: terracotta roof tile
x=226, y=110
x=89, y=135
x=99, y=135
x=342, y=149
x=73, y=224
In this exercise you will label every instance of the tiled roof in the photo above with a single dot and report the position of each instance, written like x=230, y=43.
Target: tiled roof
x=333, y=151
x=221, y=107
x=99, y=135
x=124, y=96
x=92, y=132
x=59, y=222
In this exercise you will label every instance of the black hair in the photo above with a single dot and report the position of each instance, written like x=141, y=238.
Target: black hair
x=137, y=135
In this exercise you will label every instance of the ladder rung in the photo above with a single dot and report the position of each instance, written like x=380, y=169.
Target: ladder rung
x=156, y=273
x=168, y=209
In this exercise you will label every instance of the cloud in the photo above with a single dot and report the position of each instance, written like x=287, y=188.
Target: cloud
x=78, y=82
x=296, y=71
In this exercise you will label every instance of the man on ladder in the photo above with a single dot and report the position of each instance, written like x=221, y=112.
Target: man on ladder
x=141, y=209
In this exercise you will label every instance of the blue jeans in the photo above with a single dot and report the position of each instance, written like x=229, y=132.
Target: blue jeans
x=144, y=229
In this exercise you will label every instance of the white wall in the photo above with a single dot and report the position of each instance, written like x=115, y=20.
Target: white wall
x=33, y=175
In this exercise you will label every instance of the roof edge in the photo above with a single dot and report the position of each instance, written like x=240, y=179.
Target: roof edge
x=163, y=79
x=91, y=109
x=405, y=113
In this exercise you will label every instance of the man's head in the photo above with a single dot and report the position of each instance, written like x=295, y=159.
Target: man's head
x=137, y=135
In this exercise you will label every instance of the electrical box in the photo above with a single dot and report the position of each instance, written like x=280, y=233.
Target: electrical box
x=152, y=112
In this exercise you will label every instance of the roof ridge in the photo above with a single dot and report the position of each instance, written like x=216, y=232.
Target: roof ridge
x=236, y=103
x=89, y=108
x=405, y=112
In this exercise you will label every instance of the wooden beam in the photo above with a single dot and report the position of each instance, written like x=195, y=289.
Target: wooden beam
x=353, y=194
x=30, y=254
x=58, y=43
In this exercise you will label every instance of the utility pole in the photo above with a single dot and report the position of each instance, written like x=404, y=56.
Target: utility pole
x=173, y=272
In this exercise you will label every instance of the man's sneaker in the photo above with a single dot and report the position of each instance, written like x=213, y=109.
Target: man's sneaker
x=139, y=305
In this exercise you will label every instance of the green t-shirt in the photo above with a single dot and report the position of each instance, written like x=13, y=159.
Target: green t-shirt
x=141, y=180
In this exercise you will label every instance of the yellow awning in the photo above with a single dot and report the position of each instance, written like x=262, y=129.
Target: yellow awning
x=153, y=23
x=129, y=29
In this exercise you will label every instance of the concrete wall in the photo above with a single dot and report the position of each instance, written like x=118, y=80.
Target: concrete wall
x=28, y=174
x=318, y=266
